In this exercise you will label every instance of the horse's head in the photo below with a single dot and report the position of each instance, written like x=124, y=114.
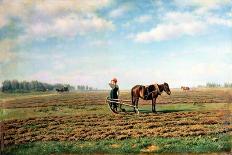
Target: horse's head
x=166, y=88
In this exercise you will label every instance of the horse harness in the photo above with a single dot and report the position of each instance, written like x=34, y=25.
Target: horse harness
x=149, y=93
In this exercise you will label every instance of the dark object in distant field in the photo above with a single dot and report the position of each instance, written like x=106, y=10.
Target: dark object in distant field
x=64, y=89
x=185, y=88
x=150, y=92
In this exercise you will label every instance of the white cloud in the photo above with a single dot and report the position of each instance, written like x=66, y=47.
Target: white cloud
x=143, y=18
x=56, y=18
x=202, y=7
x=173, y=25
x=120, y=11
x=229, y=14
x=177, y=24
x=69, y=26
x=101, y=43
x=207, y=4
x=171, y=31
x=219, y=21
x=140, y=19
x=179, y=17
x=55, y=7
x=28, y=8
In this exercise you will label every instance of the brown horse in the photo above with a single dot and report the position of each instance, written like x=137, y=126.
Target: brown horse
x=150, y=92
x=185, y=88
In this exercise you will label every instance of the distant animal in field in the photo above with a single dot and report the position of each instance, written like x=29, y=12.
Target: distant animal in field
x=185, y=88
x=64, y=89
x=44, y=90
x=150, y=92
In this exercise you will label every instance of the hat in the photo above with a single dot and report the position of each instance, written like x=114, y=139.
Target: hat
x=114, y=79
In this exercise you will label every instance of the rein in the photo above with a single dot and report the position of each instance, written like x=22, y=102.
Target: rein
x=146, y=96
x=158, y=90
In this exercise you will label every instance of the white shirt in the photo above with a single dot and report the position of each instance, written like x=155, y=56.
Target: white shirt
x=113, y=86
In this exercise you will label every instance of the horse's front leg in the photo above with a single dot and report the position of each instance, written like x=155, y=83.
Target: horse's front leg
x=153, y=105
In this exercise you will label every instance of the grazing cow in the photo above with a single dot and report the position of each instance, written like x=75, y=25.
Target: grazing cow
x=150, y=92
x=185, y=88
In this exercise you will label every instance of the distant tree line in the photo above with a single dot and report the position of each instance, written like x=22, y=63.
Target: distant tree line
x=228, y=85
x=212, y=85
x=85, y=88
x=217, y=85
x=25, y=86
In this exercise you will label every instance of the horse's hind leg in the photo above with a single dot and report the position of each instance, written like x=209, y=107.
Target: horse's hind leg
x=133, y=99
x=136, y=104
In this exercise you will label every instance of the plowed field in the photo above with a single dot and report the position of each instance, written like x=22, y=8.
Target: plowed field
x=100, y=127
x=88, y=119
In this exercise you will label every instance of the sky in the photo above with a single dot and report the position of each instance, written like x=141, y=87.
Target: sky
x=181, y=42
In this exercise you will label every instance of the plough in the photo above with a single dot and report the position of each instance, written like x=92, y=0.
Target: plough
x=115, y=105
